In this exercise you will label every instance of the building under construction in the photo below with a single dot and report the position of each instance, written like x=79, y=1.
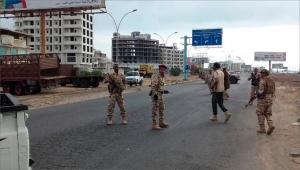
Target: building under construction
x=135, y=49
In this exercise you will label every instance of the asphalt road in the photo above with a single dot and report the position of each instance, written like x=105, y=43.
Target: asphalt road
x=75, y=136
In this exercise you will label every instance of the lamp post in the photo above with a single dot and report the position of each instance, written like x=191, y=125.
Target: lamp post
x=164, y=41
x=202, y=62
x=118, y=27
x=226, y=55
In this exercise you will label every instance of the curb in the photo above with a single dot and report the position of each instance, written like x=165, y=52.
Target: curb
x=182, y=82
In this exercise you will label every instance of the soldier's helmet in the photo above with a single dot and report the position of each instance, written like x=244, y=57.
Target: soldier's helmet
x=265, y=71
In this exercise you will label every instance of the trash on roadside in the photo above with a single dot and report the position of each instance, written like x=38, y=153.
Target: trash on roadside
x=295, y=154
x=296, y=124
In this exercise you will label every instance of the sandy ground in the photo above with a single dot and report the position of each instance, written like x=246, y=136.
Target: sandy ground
x=286, y=138
x=69, y=94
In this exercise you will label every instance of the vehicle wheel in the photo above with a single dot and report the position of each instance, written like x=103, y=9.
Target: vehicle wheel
x=130, y=85
x=233, y=80
x=84, y=83
x=95, y=84
x=63, y=84
x=141, y=83
x=75, y=82
x=7, y=88
x=136, y=83
x=37, y=90
x=19, y=89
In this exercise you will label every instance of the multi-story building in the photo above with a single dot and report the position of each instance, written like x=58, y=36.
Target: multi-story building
x=236, y=67
x=12, y=42
x=69, y=36
x=135, y=49
x=101, y=62
x=171, y=56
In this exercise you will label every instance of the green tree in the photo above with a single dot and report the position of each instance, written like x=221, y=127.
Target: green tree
x=175, y=71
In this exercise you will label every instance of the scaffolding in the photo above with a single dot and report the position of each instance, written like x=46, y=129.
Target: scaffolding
x=135, y=50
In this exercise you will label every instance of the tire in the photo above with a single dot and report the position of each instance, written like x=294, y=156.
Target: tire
x=63, y=84
x=95, y=84
x=37, y=90
x=136, y=83
x=84, y=83
x=19, y=89
x=233, y=80
x=141, y=83
x=130, y=85
x=75, y=82
x=7, y=88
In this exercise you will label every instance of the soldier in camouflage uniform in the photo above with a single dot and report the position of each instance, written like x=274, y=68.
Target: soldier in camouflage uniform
x=266, y=90
x=116, y=86
x=254, y=83
x=226, y=83
x=158, y=89
x=208, y=80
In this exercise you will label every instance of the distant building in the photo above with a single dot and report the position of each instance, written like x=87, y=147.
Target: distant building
x=13, y=42
x=101, y=62
x=135, y=49
x=171, y=56
x=236, y=67
x=69, y=36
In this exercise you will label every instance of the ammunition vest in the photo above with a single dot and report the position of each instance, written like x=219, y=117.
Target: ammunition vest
x=269, y=88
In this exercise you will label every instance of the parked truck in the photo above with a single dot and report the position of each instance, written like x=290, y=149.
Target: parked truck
x=22, y=73
x=146, y=70
x=71, y=76
x=14, y=137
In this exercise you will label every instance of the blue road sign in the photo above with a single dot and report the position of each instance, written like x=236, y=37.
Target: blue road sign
x=187, y=67
x=207, y=37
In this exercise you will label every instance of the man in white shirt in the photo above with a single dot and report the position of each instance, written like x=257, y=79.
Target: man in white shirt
x=217, y=96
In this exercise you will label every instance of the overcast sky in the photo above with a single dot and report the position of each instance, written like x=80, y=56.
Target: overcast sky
x=248, y=26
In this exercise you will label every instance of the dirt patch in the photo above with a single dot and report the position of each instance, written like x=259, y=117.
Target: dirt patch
x=286, y=138
x=69, y=94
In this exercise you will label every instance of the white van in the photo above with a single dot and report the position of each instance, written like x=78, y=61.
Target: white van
x=14, y=138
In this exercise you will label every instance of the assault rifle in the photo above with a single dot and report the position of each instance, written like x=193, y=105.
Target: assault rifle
x=114, y=82
x=251, y=100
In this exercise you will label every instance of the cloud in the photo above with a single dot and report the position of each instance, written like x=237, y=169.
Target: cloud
x=248, y=25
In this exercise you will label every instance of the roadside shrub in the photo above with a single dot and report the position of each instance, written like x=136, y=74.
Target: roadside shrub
x=175, y=71
x=96, y=73
x=197, y=70
x=84, y=73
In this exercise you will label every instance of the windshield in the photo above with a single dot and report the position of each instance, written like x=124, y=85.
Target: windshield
x=132, y=74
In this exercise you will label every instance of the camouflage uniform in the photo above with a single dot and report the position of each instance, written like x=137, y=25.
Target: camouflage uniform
x=158, y=88
x=254, y=89
x=115, y=95
x=226, y=84
x=264, y=106
x=208, y=81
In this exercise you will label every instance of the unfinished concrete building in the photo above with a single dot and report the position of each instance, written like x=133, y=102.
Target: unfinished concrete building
x=135, y=49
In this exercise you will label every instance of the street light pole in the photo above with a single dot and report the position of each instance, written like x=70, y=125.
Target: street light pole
x=227, y=56
x=164, y=47
x=117, y=29
x=202, y=63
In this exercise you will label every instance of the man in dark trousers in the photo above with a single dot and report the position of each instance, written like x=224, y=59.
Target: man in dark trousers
x=217, y=96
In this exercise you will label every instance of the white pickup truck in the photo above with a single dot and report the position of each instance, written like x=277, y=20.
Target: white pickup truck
x=133, y=77
x=14, y=137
